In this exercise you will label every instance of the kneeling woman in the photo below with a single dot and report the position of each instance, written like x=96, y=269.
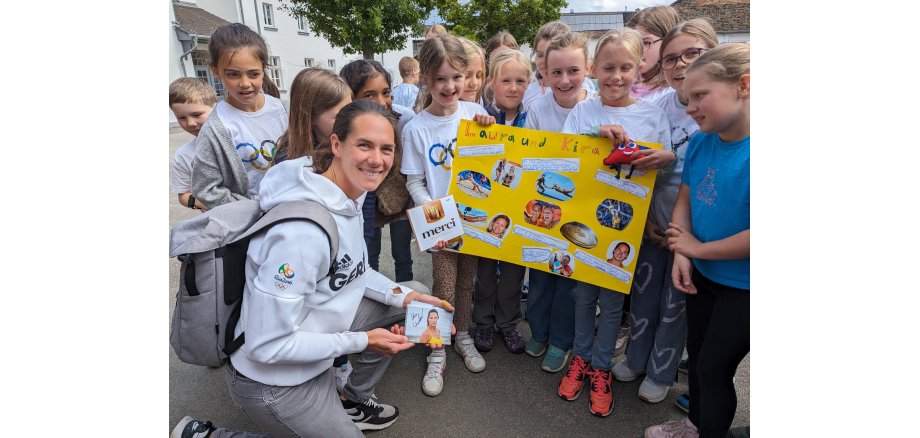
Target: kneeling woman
x=282, y=376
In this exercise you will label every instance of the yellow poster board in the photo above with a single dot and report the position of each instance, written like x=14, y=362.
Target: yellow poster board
x=545, y=200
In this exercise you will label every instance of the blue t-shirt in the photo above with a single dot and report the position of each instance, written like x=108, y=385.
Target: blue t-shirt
x=719, y=177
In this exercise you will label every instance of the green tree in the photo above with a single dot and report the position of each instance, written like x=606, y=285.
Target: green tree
x=480, y=19
x=363, y=26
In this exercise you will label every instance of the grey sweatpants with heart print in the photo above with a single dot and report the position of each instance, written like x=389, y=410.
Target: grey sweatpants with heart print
x=657, y=317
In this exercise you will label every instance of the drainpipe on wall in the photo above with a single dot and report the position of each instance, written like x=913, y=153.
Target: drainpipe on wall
x=187, y=52
x=255, y=5
x=242, y=20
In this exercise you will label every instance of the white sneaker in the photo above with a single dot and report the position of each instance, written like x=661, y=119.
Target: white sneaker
x=673, y=429
x=622, y=340
x=622, y=372
x=433, y=382
x=652, y=392
x=471, y=357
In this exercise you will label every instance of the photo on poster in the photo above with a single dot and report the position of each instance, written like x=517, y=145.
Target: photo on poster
x=427, y=324
x=579, y=234
x=498, y=169
x=562, y=263
x=542, y=214
x=615, y=214
x=511, y=174
x=499, y=226
x=472, y=216
x=555, y=186
x=474, y=184
x=620, y=254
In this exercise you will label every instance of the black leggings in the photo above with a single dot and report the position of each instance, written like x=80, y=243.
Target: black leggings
x=718, y=338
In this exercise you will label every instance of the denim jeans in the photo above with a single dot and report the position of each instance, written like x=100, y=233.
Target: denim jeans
x=551, y=308
x=400, y=236
x=597, y=351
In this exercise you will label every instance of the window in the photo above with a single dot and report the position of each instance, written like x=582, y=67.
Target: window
x=309, y=62
x=268, y=16
x=416, y=46
x=274, y=70
x=301, y=24
x=200, y=62
x=332, y=64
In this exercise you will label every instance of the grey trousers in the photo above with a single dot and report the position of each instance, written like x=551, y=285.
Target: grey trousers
x=658, y=317
x=313, y=408
x=497, y=301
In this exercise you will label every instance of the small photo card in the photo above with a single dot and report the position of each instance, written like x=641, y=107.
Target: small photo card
x=434, y=221
x=428, y=324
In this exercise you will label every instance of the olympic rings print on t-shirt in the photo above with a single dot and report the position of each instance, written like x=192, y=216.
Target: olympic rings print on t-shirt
x=442, y=155
x=260, y=158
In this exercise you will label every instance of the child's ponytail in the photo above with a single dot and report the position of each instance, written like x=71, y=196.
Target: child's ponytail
x=725, y=63
x=231, y=38
x=433, y=53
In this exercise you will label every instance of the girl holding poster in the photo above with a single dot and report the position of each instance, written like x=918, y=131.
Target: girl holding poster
x=613, y=114
x=653, y=297
x=551, y=299
x=497, y=301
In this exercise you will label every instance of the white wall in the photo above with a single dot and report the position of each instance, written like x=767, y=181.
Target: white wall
x=175, y=67
x=291, y=46
x=738, y=37
x=226, y=9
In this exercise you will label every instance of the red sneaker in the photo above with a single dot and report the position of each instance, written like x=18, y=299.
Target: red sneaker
x=601, y=394
x=574, y=379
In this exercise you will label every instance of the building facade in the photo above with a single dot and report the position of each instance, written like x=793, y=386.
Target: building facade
x=292, y=46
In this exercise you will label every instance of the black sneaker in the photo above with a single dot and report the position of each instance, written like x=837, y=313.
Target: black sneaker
x=189, y=428
x=370, y=415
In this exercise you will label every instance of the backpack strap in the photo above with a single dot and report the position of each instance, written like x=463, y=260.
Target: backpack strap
x=309, y=210
x=286, y=211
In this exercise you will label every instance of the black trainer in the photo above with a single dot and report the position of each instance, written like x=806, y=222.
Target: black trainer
x=189, y=428
x=370, y=415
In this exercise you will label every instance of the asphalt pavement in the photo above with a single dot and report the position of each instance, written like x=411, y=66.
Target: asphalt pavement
x=513, y=397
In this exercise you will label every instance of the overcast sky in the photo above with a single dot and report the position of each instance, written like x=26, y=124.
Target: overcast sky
x=611, y=5
x=590, y=6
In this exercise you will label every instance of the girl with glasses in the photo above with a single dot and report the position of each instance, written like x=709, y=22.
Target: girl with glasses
x=652, y=23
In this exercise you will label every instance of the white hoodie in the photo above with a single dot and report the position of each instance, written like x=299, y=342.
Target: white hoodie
x=296, y=325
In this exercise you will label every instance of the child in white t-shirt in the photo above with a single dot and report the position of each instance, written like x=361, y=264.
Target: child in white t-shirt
x=655, y=303
x=192, y=101
x=616, y=115
x=429, y=140
x=538, y=88
x=497, y=302
x=551, y=298
x=237, y=143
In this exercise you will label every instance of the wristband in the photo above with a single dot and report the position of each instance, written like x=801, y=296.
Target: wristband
x=191, y=201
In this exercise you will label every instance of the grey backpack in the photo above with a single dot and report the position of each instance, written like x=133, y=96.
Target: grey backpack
x=212, y=248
